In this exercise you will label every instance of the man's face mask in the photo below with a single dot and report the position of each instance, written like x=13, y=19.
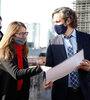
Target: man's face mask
x=60, y=29
x=20, y=41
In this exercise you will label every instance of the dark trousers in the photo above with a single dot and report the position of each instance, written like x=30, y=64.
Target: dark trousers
x=74, y=94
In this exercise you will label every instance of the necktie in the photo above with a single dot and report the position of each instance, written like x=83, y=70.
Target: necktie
x=74, y=75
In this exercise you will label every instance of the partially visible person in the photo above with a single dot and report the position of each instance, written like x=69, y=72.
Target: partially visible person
x=16, y=73
x=69, y=41
x=1, y=34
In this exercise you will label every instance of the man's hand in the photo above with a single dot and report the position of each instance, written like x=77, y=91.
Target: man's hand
x=46, y=86
x=85, y=65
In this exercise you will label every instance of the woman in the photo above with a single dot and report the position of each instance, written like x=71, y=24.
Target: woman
x=15, y=81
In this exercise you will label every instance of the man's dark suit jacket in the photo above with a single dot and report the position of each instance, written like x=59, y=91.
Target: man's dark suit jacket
x=56, y=53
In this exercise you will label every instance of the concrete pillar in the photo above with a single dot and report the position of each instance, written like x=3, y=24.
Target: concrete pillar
x=36, y=89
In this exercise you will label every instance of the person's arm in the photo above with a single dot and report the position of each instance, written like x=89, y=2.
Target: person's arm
x=49, y=62
x=17, y=73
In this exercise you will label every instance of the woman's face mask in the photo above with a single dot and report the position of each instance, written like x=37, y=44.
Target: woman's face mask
x=20, y=40
x=60, y=29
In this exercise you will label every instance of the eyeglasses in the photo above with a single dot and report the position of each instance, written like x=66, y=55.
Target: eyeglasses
x=22, y=33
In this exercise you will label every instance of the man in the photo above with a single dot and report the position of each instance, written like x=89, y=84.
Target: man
x=1, y=34
x=76, y=85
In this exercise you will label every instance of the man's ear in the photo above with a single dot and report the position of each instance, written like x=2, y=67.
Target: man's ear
x=68, y=21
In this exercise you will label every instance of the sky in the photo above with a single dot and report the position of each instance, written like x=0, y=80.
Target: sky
x=31, y=11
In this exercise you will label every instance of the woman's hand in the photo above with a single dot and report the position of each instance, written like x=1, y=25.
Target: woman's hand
x=85, y=65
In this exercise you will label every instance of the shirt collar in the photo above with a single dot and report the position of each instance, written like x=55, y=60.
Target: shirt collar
x=73, y=34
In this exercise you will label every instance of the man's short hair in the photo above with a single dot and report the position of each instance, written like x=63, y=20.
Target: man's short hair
x=67, y=13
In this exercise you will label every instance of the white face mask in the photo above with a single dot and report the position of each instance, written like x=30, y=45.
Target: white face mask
x=20, y=41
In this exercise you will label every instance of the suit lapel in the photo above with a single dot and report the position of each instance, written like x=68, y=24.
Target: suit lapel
x=62, y=47
x=79, y=40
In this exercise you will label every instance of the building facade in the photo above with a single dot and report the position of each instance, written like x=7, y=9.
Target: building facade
x=51, y=32
x=34, y=35
x=82, y=8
